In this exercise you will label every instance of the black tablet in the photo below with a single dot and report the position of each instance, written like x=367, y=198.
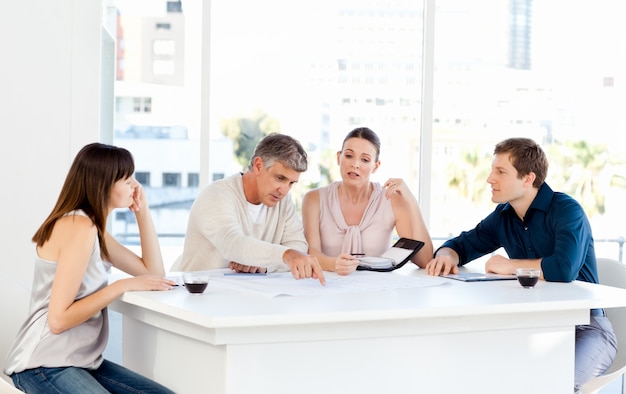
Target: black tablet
x=479, y=277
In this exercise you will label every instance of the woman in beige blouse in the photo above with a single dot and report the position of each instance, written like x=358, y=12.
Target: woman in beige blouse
x=357, y=216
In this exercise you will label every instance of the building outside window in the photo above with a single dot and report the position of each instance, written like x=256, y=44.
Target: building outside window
x=143, y=178
x=193, y=179
x=171, y=179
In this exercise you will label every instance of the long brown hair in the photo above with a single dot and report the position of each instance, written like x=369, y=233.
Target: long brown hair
x=88, y=186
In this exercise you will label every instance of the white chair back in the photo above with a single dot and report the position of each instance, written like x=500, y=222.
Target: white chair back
x=612, y=273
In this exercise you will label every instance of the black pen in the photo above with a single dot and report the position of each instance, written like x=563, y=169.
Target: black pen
x=357, y=254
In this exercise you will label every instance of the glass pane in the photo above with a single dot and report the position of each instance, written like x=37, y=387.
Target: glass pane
x=157, y=115
x=521, y=68
x=316, y=70
x=312, y=70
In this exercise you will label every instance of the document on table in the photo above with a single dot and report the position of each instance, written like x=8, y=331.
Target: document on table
x=283, y=283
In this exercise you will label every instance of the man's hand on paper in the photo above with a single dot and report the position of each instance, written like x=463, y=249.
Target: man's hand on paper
x=303, y=265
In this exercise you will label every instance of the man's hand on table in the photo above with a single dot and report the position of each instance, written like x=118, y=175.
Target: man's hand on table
x=445, y=262
x=247, y=268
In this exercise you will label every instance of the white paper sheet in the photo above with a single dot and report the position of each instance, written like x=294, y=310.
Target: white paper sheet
x=279, y=284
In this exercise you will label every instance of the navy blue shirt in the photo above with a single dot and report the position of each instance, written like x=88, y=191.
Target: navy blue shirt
x=555, y=229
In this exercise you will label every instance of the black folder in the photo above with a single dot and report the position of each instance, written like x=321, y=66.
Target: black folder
x=395, y=257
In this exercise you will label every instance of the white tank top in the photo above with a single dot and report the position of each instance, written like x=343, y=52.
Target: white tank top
x=80, y=346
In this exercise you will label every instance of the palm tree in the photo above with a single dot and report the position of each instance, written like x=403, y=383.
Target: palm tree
x=247, y=131
x=586, y=172
x=469, y=175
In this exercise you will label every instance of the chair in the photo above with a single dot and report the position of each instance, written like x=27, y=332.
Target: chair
x=612, y=273
x=15, y=297
x=7, y=388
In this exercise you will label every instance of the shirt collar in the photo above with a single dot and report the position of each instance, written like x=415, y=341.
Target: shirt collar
x=542, y=200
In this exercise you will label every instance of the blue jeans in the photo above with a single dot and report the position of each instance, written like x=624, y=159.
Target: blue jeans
x=108, y=378
x=596, y=347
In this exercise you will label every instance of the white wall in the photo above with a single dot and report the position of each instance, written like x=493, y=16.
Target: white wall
x=49, y=109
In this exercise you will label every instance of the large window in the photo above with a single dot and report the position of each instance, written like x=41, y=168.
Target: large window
x=551, y=70
x=157, y=112
x=316, y=70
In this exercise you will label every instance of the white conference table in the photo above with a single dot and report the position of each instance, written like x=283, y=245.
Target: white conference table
x=489, y=337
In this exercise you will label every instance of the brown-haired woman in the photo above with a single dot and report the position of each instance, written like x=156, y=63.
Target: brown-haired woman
x=59, y=347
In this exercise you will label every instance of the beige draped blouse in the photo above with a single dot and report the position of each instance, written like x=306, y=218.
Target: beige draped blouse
x=372, y=236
